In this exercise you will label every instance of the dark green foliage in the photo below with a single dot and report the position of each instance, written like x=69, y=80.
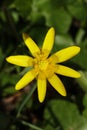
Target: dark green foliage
x=35, y=17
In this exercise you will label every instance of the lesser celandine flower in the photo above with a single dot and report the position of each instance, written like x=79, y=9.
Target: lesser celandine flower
x=45, y=67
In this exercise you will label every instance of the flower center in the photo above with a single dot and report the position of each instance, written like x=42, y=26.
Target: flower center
x=43, y=65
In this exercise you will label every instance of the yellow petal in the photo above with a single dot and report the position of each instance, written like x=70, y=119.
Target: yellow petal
x=48, y=41
x=41, y=86
x=32, y=46
x=20, y=60
x=57, y=84
x=25, y=80
x=67, y=53
x=66, y=71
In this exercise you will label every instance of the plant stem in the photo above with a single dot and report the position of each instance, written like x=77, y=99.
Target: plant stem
x=31, y=125
x=26, y=99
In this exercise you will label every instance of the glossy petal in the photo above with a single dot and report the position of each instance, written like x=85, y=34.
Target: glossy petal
x=66, y=71
x=48, y=41
x=57, y=85
x=25, y=80
x=20, y=60
x=41, y=87
x=32, y=46
x=67, y=53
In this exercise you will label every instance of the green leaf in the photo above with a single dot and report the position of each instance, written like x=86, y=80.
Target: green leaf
x=46, y=4
x=81, y=58
x=58, y=3
x=24, y=7
x=79, y=36
x=8, y=79
x=78, y=10
x=85, y=105
x=62, y=41
x=9, y=90
x=85, y=100
x=60, y=19
x=85, y=113
x=65, y=113
x=56, y=17
x=82, y=81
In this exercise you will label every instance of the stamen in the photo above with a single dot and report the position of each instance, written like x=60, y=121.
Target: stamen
x=43, y=65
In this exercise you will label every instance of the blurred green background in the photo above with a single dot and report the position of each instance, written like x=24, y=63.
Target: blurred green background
x=35, y=17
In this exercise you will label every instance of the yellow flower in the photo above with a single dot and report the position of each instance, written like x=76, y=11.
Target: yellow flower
x=45, y=67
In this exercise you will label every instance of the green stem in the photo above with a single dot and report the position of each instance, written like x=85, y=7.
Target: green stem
x=26, y=100
x=82, y=81
x=31, y=125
